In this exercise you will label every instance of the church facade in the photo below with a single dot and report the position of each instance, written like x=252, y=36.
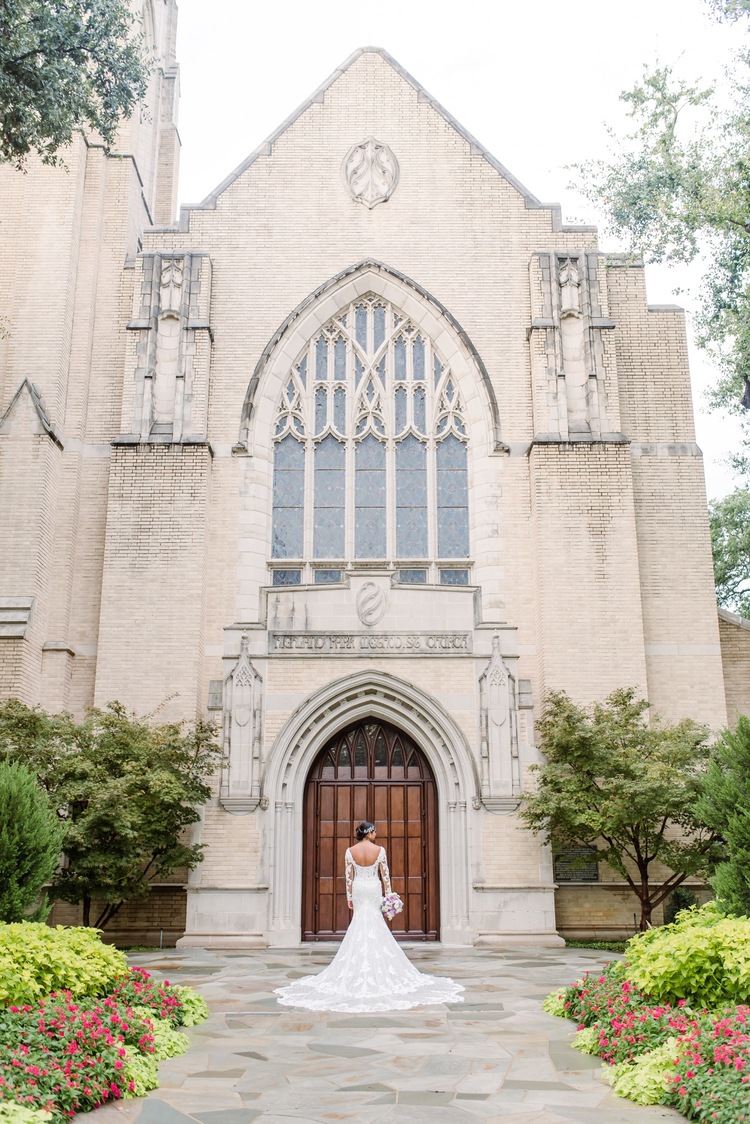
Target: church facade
x=361, y=457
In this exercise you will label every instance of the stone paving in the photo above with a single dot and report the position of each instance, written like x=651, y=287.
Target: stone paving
x=495, y=1057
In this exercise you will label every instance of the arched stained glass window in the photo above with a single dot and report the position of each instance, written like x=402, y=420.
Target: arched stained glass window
x=370, y=446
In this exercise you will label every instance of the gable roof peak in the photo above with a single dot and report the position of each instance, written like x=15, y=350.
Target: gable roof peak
x=318, y=96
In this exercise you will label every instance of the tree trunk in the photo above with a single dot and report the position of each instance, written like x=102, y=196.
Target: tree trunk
x=106, y=915
x=87, y=912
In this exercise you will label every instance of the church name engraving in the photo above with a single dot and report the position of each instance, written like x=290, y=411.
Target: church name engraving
x=369, y=643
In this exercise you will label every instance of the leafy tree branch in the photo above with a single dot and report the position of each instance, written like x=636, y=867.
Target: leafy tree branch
x=66, y=65
x=626, y=786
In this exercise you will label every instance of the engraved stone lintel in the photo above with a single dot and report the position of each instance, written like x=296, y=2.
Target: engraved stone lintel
x=370, y=172
x=368, y=643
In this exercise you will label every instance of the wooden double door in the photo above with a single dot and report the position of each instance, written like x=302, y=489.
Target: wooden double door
x=370, y=771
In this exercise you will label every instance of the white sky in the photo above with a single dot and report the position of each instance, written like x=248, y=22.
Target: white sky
x=534, y=82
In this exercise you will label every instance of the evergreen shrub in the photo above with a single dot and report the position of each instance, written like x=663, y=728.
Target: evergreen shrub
x=30, y=841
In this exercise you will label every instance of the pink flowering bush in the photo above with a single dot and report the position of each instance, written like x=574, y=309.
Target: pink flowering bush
x=626, y=1023
x=139, y=989
x=668, y=1048
x=711, y=1079
x=69, y=1054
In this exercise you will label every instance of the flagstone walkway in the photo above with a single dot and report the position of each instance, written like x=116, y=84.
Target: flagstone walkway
x=495, y=1057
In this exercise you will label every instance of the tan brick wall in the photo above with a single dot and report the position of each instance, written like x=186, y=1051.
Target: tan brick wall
x=156, y=920
x=587, y=578
x=605, y=910
x=735, y=654
x=151, y=624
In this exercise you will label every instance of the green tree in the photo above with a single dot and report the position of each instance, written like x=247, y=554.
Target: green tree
x=127, y=787
x=66, y=65
x=730, y=538
x=725, y=805
x=30, y=841
x=628, y=787
x=677, y=189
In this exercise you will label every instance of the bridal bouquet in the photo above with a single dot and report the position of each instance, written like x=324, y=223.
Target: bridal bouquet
x=391, y=905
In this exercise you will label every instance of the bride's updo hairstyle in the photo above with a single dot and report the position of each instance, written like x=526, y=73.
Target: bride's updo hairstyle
x=364, y=830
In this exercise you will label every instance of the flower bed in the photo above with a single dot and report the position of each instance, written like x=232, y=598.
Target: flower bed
x=64, y=1053
x=672, y=1051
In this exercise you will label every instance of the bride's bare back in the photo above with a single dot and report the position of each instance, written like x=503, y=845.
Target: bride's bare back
x=365, y=853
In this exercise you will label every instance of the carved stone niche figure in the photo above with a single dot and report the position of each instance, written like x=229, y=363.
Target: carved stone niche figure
x=500, y=766
x=241, y=780
x=569, y=279
x=174, y=305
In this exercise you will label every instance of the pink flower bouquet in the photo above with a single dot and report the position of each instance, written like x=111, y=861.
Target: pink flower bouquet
x=391, y=905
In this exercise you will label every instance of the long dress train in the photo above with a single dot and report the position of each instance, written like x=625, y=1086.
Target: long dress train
x=370, y=972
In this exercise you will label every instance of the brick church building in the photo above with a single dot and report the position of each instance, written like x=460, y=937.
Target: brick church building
x=361, y=457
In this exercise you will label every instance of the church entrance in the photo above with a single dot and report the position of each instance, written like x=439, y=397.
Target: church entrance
x=370, y=771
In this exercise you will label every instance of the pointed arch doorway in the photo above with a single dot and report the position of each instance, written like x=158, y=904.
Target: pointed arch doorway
x=371, y=770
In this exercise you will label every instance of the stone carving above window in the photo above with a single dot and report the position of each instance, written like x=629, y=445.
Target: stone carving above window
x=370, y=604
x=370, y=172
x=241, y=781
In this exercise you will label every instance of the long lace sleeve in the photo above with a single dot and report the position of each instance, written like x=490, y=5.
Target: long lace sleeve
x=385, y=874
x=349, y=872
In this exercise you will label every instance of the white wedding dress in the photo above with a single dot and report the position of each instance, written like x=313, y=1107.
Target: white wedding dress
x=370, y=972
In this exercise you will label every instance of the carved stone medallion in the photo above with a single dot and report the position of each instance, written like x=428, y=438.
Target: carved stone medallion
x=370, y=604
x=370, y=172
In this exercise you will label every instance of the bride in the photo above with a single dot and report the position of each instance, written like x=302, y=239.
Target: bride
x=370, y=972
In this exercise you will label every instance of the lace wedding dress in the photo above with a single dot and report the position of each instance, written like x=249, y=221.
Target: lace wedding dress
x=370, y=972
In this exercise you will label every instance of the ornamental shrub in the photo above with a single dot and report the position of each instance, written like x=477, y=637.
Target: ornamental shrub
x=138, y=988
x=682, y=897
x=66, y=1055
x=647, y=1079
x=11, y=1113
x=554, y=1004
x=587, y=1040
x=141, y=1072
x=725, y=806
x=703, y=958
x=36, y=960
x=193, y=1007
x=712, y=1078
x=167, y=1042
x=30, y=841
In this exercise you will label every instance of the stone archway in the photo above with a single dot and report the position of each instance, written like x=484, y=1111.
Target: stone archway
x=370, y=771
x=379, y=697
